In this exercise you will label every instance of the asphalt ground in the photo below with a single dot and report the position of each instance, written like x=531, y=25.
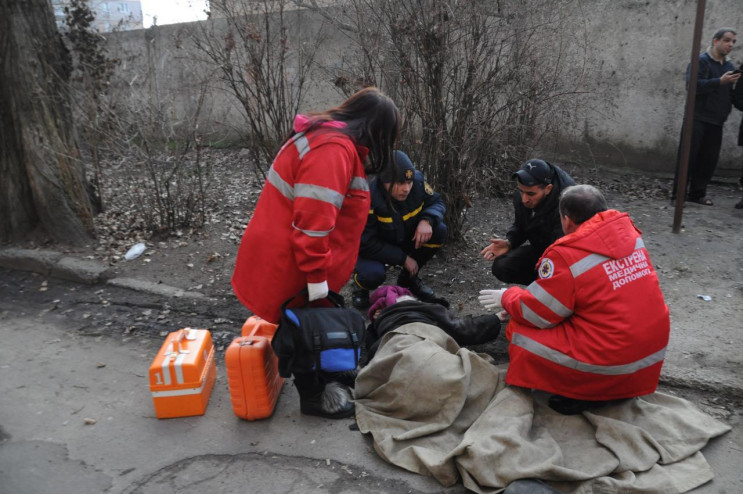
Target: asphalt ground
x=76, y=413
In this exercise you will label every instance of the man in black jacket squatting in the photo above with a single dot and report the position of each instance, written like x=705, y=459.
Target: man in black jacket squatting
x=537, y=221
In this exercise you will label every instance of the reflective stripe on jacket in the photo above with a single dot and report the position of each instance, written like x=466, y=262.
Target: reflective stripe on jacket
x=307, y=223
x=388, y=226
x=594, y=325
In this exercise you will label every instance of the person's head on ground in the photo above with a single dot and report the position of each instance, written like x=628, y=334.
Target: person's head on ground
x=578, y=204
x=372, y=120
x=401, y=183
x=723, y=42
x=534, y=182
x=387, y=295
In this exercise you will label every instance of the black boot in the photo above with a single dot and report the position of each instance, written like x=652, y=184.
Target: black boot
x=415, y=285
x=571, y=406
x=739, y=205
x=360, y=299
x=331, y=400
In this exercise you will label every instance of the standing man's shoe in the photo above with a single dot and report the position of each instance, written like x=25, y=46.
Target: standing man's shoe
x=739, y=205
x=360, y=299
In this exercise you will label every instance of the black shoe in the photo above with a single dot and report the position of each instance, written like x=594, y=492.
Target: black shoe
x=360, y=299
x=416, y=286
x=332, y=403
x=739, y=205
x=571, y=406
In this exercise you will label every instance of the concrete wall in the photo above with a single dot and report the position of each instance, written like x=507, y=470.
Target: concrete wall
x=645, y=47
x=162, y=66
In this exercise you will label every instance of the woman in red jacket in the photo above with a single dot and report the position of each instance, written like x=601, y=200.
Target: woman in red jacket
x=307, y=224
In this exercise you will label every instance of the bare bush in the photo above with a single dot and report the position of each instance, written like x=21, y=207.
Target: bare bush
x=480, y=83
x=163, y=182
x=262, y=66
x=167, y=181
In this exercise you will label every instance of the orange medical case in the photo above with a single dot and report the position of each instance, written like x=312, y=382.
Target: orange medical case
x=255, y=326
x=183, y=373
x=253, y=371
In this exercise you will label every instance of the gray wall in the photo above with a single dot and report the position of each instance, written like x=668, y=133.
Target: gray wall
x=645, y=47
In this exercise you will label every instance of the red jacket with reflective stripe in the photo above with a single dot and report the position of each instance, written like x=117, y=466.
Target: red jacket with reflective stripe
x=307, y=223
x=594, y=325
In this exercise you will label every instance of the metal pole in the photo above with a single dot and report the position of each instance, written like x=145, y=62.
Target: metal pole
x=691, y=93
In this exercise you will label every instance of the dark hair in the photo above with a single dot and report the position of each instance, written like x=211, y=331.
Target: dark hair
x=581, y=202
x=721, y=32
x=372, y=120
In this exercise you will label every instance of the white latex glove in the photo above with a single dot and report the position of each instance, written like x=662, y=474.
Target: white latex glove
x=491, y=299
x=316, y=291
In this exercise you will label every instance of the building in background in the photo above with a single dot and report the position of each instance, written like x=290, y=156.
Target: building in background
x=110, y=15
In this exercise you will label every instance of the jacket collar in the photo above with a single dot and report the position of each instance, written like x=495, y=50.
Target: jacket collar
x=712, y=57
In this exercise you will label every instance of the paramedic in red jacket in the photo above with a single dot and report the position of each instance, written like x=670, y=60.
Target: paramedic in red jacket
x=594, y=326
x=307, y=224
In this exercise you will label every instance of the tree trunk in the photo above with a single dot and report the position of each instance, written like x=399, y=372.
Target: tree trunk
x=43, y=184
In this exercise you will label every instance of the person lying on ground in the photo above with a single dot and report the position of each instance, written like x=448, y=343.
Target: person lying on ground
x=394, y=306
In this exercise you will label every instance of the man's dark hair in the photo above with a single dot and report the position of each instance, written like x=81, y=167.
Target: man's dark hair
x=581, y=202
x=721, y=32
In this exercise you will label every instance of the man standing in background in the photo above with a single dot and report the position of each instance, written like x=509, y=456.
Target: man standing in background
x=711, y=108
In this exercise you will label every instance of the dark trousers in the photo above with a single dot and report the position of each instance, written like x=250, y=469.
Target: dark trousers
x=517, y=265
x=369, y=273
x=706, y=140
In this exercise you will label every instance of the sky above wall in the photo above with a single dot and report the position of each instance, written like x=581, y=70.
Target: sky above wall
x=172, y=11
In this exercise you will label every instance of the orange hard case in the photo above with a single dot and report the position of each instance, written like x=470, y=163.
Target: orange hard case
x=253, y=371
x=182, y=374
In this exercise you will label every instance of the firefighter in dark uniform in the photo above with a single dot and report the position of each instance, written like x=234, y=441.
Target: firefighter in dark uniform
x=405, y=227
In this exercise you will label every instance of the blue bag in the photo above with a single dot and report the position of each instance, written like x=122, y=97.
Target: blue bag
x=312, y=339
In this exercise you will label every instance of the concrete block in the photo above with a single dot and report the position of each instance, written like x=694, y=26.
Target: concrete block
x=37, y=261
x=79, y=270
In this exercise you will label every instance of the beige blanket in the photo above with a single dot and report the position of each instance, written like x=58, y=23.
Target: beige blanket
x=437, y=409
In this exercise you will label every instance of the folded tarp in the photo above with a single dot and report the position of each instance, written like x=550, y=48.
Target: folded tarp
x=437, y=409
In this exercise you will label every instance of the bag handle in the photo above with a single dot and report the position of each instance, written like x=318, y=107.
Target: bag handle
x=334, y=297
x=186, y=334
